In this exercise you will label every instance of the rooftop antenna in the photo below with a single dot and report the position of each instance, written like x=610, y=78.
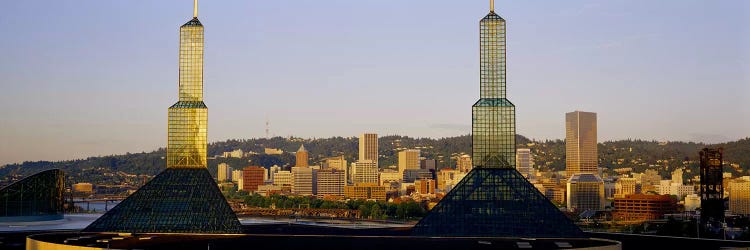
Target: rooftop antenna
x=267, y=126
x=492, y=6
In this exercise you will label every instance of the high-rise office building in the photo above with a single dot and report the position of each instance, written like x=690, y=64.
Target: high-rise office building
x=302, y=181
x=580, y=143
x=524, y=161
x=302, y=157
x=330, y=183
x=224, y=172
x=408, y=159
x=585, y=192
x=368, y=147
x=338, y=163
x=184, y=197
x=494, y=199
x=252, y=177
x=365, y=172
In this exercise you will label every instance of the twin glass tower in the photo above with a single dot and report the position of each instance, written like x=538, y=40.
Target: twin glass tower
x=188, y=118
x=493, y=125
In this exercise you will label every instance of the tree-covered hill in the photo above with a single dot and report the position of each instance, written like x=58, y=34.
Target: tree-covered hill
x=549, y=155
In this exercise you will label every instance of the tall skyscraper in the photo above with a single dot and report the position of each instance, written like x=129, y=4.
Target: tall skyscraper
x=580, y=143
x=408, y=159
x=494, y=117
x=368, y=147
x=523, y=161
x=302, y=157
x=188, y=118
x=184, y=197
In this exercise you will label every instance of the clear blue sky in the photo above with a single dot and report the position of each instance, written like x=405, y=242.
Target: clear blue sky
x=90, y=77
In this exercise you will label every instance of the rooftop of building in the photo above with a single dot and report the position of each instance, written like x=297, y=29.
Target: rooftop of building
x=298, y=241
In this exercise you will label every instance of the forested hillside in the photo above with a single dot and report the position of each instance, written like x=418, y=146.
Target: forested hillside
x=548, y=156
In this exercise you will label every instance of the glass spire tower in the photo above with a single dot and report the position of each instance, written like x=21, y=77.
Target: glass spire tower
x=493, y=124
x=494, y=199
x=183, y=198
x=188, y=118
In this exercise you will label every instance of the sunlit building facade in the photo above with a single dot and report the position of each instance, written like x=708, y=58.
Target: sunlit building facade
x=368, y=147
x=580, y=143
x=739, y=197
x=408, y=159
x=365, y=172
x=188, y=118
x=464, y=163
x=302, y=157
x=524, y=161
x=184, y=198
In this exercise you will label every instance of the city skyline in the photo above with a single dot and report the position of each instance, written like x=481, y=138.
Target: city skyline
x=35, y=128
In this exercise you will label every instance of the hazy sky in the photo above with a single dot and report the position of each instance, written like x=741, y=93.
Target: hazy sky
x=91, y=77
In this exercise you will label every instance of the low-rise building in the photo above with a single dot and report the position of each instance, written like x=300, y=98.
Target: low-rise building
x=365, y=191
x=639, y=207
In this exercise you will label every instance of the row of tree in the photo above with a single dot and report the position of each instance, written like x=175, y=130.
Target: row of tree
x=405, y=210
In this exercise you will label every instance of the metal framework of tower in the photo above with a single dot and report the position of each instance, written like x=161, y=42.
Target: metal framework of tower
x=711, y=188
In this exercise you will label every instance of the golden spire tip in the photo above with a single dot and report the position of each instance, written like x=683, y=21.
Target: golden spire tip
x=195, y=8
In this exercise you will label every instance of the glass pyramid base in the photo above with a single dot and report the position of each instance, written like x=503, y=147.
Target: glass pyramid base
x=175, y=201
x=496, y=202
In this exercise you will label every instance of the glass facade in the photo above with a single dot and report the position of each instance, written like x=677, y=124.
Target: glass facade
x=493, y=116
x=585, y=192
x=184, y=198
x=580, y=143
x=37, y=197
x=494, y=199
x=493, y=136
x=175, y=201
x=188, y=118
x=492, y=56
x=497, y=202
